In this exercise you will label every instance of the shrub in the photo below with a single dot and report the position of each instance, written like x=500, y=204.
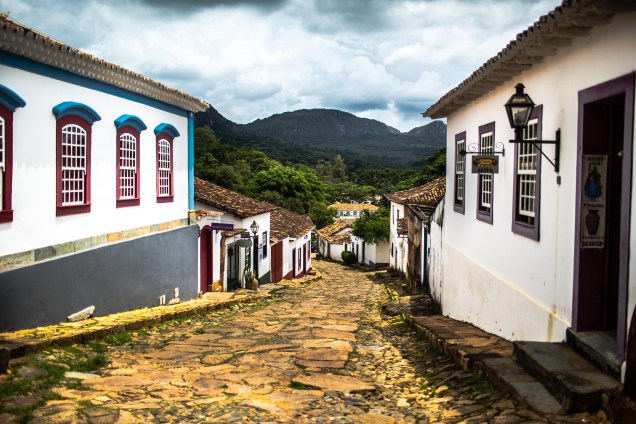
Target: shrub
x=349, y=258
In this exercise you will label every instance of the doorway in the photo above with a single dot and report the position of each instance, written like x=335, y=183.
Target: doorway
x=205, y=260
x=604, y=170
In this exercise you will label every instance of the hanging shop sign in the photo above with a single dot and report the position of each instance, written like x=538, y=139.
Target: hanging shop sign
x=221, y=227
x=593, y=201
x=485, y=164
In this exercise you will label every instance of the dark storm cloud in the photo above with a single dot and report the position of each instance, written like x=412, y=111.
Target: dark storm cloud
x=191, y=6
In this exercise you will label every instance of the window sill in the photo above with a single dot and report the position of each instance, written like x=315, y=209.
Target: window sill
x=525, y=230
x=459, y=208
x=6, y=216
x=72, y=210
x=124, y=203
x=485, y=216
x=165, y=199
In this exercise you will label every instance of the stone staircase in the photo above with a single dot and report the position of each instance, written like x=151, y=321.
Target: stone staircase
x=574, y=381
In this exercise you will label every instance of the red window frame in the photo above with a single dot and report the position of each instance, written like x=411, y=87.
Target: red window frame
x=63, y=210
x=166, y=198
x=127, y=129
x=6, y=211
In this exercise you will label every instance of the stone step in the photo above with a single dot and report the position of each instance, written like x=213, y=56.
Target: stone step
x=597, y=346
x=508, y=376
x=576, y=383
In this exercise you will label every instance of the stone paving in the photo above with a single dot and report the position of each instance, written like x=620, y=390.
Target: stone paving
x=314, y=352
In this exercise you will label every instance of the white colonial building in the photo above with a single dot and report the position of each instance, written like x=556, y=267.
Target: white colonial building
x=96, y=184
x=290, y=243
x=542, y=246
x=334, y=239
x=416, y=238
x=235, y=242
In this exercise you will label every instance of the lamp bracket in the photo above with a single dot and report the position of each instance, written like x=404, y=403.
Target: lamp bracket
x=473, y=149
x=557, y=148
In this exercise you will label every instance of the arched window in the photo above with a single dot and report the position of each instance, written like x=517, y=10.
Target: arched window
x=73, y=145
x=9, y=102
x=165, y=162
x=129, y=130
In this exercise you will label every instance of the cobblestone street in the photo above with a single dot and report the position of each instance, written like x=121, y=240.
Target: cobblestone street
x=316, y=352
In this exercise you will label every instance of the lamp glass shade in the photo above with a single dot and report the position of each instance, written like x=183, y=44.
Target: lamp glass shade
x=254, y=227
x=519, y=108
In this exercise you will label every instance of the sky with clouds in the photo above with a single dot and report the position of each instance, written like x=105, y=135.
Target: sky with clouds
x=382, y=59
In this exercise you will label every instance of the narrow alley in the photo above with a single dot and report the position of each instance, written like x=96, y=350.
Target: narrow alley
x=315, y=352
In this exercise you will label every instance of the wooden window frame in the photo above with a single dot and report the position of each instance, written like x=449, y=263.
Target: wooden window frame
x=165, y=198
x=135, y=200
x=85, y=207
x=521, y=225
x=459, y=204
x=485, y=214
x=6, y=171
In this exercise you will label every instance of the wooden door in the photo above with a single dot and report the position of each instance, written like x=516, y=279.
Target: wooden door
x=205, y=258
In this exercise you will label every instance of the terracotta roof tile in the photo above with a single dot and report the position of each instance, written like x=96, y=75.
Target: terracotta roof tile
x=284, y=223
x=354, y=206
x=330, y=232
x=23, y=41
x=427, y=195
x=228, y=200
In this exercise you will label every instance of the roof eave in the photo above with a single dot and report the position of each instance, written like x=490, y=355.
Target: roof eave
x=574, y=18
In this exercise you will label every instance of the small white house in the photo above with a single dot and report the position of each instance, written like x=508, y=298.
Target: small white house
x=290, y=242
x=416, y=237
x=352, y=211
x=235, y=245
x=334, y=239
x=539, y=245
x=96, y=184
x=373, y=255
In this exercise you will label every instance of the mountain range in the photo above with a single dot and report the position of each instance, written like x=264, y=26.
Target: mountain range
x=307, y=135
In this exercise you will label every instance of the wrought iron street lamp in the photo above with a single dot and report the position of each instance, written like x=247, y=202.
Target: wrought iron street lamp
x=519, y=109
x=254, y=228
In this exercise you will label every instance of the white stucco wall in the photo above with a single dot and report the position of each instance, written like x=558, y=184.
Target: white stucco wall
x=434, y=253
x=376, y=253
x=491, y=274
x=34, y=166
x=398, y=261
x=263, y=221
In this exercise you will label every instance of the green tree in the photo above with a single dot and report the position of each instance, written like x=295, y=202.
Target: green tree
x=373, y=227
x=300, y=186
x=321, y=215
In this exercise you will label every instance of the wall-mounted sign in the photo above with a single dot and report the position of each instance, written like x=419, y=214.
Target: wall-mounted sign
x=485, y=164
x=222, y=227
x=593, y=184
x=245, y=234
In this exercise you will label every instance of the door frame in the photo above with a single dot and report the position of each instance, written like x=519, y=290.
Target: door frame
x=621, y=85
x=206, y=258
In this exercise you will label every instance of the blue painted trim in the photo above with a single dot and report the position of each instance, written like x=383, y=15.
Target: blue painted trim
x=10, y=99
x=78, y=109
x=168, y=129
x=19, y=62
x=190, y=161
x=131, y=120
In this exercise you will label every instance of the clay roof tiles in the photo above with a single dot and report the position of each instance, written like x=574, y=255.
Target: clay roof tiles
x=574, y=18
x=354, y=206
x=426, y=195
x=228, y=200
x=23, y=41
x=330, y=232
x=284, y=223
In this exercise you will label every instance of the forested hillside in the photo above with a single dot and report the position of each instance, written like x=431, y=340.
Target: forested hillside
x=307, y=136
